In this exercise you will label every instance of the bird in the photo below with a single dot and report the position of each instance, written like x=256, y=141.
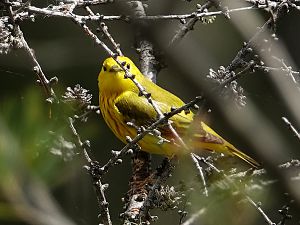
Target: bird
x=125, y=110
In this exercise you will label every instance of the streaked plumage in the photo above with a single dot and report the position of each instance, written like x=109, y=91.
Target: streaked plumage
x=120, y=104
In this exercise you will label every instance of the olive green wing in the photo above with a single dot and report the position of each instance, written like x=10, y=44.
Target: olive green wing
x=135, y=109
x=138, y=110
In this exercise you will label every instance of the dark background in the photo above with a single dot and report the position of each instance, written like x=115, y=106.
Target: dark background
x=64, y=51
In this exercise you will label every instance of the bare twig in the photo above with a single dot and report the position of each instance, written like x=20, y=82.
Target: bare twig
x=200, y=170
x=79, y=142
x=192, y=15
x=188, y=26
x=42, y=79
x=260, y=210
x=239, y=60
x=288, y=70
x=91, y=2
x=136, y=139
x=61, y=12
x=268, y=4
x=291, y=127
x=98, y=186
x=93, y=36
x=269, y=68
x=104, y=29
x=104, y=214
x=238, y=75
x=236, y=188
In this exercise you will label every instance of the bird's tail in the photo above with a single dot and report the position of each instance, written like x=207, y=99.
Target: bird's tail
x=243, y=156
x=210, y=140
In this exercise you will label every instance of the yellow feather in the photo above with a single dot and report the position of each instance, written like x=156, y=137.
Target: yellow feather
x=120, y=103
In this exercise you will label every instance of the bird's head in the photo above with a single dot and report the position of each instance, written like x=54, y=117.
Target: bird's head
x=111, y=77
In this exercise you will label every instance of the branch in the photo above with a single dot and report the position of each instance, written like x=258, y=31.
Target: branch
x=200, y=170
x=136, y=139
x=260, y=210
x=239, y=60
x=291, y=127
x=42, y=79
x=61, y=11
x=235, y=187
x=188, y=26
x=105, y=31
x=104, y=214
x=192, y=15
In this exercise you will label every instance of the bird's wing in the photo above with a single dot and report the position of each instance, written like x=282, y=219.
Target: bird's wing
x=135, y=109
x=138, y=110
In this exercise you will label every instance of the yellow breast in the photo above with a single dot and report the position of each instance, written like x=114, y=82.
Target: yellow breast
x=114, y=120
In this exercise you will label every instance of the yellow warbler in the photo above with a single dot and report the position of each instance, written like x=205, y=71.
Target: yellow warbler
x=120, y=104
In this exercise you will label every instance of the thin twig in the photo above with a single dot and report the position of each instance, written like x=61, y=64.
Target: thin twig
x=192, y=15
x=137, y=138
x=200, y=170
x=85, y=3
x=93, y=36
x=238, y=75
x=260, y=210
x=291, y=127
x=239, y=58
x=252, y=43
x=61, y=12
x=104, y=211
x=98, y=186
x=267, y=219
x=266, y=4
x=46, y=84
x=269, y=68
x=288, y=70
x=105, y=31
x=188, y=26
x=79, y=142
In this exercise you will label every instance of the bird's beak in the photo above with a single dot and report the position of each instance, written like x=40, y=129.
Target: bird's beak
x=115, y=68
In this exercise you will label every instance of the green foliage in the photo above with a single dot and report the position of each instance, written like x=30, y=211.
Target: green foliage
x=24, y=132
x=26, y=143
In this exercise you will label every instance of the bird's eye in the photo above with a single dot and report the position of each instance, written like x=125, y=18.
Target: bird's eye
x=123, y=63
x=104, y=68
x=128, y=66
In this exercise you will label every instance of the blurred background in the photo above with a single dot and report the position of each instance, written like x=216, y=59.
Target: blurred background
x=63, y=50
